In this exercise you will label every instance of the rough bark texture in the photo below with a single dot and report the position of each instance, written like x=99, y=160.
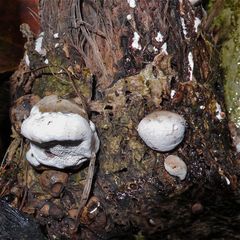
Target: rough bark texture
x=93, y=58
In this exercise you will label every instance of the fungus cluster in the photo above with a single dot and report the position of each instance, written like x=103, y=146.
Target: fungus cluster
x=60, y=134
x=163, y=131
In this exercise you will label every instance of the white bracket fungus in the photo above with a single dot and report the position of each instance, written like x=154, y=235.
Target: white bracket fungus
x=175, y=166
x=162, y=130
x=60, y=134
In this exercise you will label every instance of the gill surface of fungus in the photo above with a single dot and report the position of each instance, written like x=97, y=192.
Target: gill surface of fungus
x=162, y=130
x=60, y=134
x=175, y=166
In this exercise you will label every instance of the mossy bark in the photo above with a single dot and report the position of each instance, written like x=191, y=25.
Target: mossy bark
x=227, y=31
x=89, y=54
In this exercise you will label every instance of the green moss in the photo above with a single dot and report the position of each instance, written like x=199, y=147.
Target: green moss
x=230, y=57
x=47, y=85
x=226, y=20
x=227, y=23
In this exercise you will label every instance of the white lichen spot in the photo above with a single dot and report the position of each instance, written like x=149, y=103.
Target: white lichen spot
x=27, y=60
x=132, y=3
x=184, y=28
x=227, y=180
x=191, y=65
x=135, y=43
x=197, y=22
x=38, y=45
x=193, y=2
x=159, y=37
x=218, y=112
x=56, y=35
x=164, y=48
x=46, y=61
x=129, y=17
x=238, y=147
x=172, y=94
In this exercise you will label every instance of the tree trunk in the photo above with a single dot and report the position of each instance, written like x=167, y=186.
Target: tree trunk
x=126, y=61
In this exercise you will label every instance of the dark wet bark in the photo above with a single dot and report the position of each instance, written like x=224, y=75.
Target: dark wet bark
x=16, y=225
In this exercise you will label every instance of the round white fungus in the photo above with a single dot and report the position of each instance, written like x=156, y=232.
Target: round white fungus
x=162, y=130
x=175, y=166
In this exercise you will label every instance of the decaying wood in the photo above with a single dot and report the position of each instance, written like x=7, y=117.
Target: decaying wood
x=131, y=191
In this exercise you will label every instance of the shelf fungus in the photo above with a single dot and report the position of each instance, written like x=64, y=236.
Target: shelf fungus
x=60, y=134
x=162, y=130
x=175, y=166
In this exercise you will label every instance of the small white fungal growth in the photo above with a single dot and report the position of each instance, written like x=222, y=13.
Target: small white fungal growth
x=191, y=65
x=175, y=166
x=184, y=28
x=164, y=48
x=132, y=3
x=129, y=17
x=159, y=37
x=197, y=22
x=173, y=92
x=155, y=49
x=38, y=45
x=193, y=2
x=56, y=35
x=56, y=45
x=227, y=180
x=59, y=139
x=162, y=130
x=218, y=112
x=135, y=43
x=46, y=61
x=27, y=60
x=238, y=147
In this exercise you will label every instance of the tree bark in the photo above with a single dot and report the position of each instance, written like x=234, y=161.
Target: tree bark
x=90, y=51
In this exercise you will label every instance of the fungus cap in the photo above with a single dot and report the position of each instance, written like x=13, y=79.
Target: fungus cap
x=162, y=130
x=175, y=166
x=55, y=126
